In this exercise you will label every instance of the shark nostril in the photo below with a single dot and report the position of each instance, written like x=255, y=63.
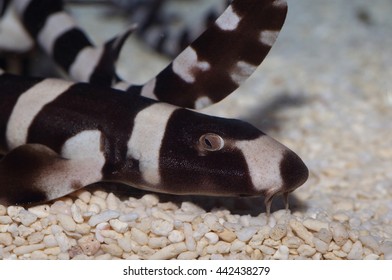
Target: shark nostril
x=293, y=171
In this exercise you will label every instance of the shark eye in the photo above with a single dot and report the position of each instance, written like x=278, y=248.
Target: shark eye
x=211, y=142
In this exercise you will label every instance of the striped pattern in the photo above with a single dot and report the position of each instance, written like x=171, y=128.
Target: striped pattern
x=202, y=73
x=68, y=135
x=60, y=136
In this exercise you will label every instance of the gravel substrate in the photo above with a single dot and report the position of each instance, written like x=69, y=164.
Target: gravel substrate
x=325, y=91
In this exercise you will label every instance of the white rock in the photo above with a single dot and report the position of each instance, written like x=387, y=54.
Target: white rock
x=221, y=247
x=320, y=245
x=150, y=200
x=372, y=257
x=66, y=222
x=35, y=237
x=201, y=230
x=5, y=220
x=84, y=195
x=112, y=202
x=61, y=207
x=41, y=211
x=306, y=251
x=118, y=226
x=189, y=240
x=99, y=228
x=176, y=236
x=112, y=249
x=139, y=236
x=278, y=232
x=161, y=227
x=92, y=208
x=52, y=251
x=339, y=233
x=370, y=242
x=130, y=217
x=267, y=250
x=100, y=201
x=212, y=237
x=26, y=217
x=13, y=212
x=347, y=246
x=50, y=241
x=82, y=229
x=111, y=234
x=324, y=235
x=386, y=249
x=237, y=246
x=160, y=215
x=25, y=231
x=301, y=232
x=169, y=252
x=6, y=239
x=282, y=253
x=62, y=241
x=315, y=225
x=76, y=214
x=356, y=251
x=28, y=248
x=188, y=256
x=3, y=210
x=19, y=241
x=158, y=242
x=212, y=222
x=246, y=234
x=126, y=244
x=103, y=217
x=5, y=228
x=191, y=208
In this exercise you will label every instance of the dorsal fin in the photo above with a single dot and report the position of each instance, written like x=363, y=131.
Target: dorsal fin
x=33, y=173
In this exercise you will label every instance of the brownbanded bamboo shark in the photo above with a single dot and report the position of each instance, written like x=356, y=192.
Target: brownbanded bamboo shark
x=59, y=136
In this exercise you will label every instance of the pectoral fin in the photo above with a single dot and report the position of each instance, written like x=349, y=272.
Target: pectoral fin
x=34, y=173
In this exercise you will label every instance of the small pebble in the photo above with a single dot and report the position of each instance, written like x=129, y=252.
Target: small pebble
x=246, y=234
x=5, y=220
x=306, y=251
x=41, y=211
x=5, y=239
x=139, y=236
x=26, y=217
x=356, y=251
x=302, y=232
x=77, y=214
x=324, y=235
x=212, y=237
x=28, y=248
x=103, y=217
x=315, y=225
x=176, y=236
x=189, y=240
x=320, y=245
x=158, y=242
x=112, y=249
x=169, y=252
x=227, y=235
x=282, y=253
x=118, y=226
x=339, y=233
x=66, y=222
x=278, y=232
x=161, y=227
x=89, y=245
